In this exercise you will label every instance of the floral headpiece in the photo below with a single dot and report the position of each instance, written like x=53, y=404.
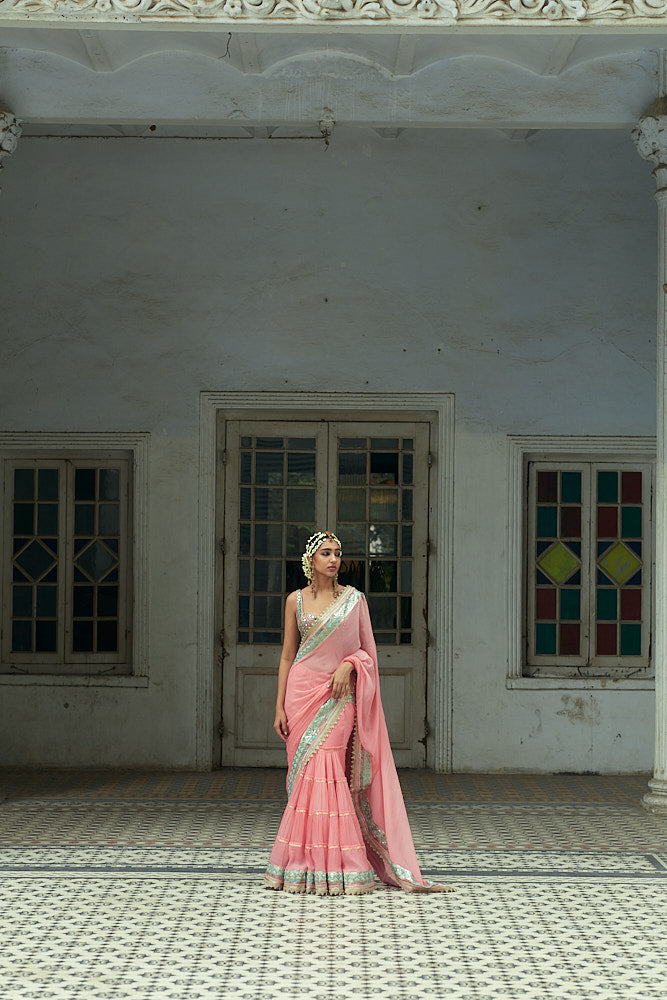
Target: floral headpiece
x=312, y=545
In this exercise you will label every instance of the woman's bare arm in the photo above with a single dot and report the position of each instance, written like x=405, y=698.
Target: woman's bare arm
x=289, y=650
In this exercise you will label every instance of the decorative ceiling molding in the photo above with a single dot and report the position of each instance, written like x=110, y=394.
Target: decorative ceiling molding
x=403, y=13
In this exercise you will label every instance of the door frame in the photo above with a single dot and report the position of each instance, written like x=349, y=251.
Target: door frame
x=436, y=407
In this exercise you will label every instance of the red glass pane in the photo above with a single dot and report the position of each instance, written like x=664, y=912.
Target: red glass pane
x=570, y=522
x=606, y=644
x=546, y=603
x=631, y=605
x=607, y=522
x=631, y=487
x=547, y=487
x=569, y=640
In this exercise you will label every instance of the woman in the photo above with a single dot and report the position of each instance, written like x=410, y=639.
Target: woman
x=345, y=820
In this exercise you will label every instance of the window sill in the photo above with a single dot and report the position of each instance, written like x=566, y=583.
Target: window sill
x=580, y=683
x=73, y=680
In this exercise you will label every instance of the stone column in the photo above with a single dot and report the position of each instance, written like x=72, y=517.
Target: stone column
x=650, y=136
x=10, y=132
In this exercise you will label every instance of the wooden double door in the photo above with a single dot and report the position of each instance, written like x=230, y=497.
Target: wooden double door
x=281, y=480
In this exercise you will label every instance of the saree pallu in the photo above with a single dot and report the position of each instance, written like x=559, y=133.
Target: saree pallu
x=345, y=823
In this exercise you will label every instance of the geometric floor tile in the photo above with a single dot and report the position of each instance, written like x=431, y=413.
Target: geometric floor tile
x=149, y=887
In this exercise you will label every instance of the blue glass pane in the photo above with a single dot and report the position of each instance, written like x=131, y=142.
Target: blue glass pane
x=634, y=547
x=574, y=547
x=603, y=580
x=635, y=581
x=541, y=547
x=541, y=578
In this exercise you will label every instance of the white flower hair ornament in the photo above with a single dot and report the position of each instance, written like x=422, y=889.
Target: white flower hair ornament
x=312, y=545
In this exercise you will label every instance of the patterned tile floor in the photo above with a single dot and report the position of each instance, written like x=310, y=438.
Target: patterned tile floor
x=140, y=886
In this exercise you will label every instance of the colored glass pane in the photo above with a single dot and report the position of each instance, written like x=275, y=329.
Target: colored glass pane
x=547, y=486
x=24, y=484
x=84, y=484
x=619, y=563
x=545, y=603
x=607, y=487
x=570, y=522
x=631, y=640
x=606, y=640
x=545, y=639
x=570, y=605
x=631, y=522
x=559, y=563
x=607, y=522
x=570, y=487
x=569, y=640
x=607, y=604
x=631, y=605
x=631, y=487
x=547, y=522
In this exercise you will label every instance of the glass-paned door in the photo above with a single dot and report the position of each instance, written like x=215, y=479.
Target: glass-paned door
x=369, y=483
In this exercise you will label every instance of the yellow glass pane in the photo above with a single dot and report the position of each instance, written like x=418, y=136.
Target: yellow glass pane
x=620, y=563
x=559, y=563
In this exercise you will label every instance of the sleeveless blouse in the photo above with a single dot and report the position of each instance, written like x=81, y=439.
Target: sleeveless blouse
x=304, y=619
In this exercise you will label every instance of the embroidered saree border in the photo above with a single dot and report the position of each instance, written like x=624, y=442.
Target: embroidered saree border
x=328, y=621
x=331, y=883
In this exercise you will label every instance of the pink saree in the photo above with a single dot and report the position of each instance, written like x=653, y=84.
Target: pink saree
x=345, y=823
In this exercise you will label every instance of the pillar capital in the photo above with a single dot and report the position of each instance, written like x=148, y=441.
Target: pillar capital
x=650, y=136
x=10, y=132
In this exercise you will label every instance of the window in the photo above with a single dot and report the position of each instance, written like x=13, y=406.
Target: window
x=67, y=563
x=588, y=568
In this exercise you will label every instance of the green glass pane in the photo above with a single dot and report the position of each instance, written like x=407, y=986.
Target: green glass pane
x=244, y=574
x=547, y=522
x=46, y=601
x=406, y=612
x=96, y=561
x=384, y=468
x=267, y=612
x=607, y=487
x=383, y=611
x=383, y=505
x=84, y=519
x=47, y=519
x=268, y=539
x=109, y=518
x=83, y=601
x=383, y=576
x=24, y=484
x=269, y=575
x=570, y=487
x=352, y=469
x=47, y=484
x=300, y=505
x=21, y=637
x=545, y=639
x=607, y=605
x=570, y=604
x=269, y=468
x=84, y=484
x=406, y=576
x=107, y=602
x=353, y=572
x=82, y=637
x=35, y=560
x=631, y=522
x=109, y=484
x=351, y=504
x=301, y=470
x=296, y=537
x=382, y=539
x=353, y=540
x=22, y=601
x=23, y=518
x=46, y=637
x=269, y=504
x=631, y=640
x=107, y=637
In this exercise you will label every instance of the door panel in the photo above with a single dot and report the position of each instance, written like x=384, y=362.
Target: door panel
x=369, y=482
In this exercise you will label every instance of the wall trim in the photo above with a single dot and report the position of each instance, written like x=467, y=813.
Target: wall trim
x=440, y=658
x=519, y=447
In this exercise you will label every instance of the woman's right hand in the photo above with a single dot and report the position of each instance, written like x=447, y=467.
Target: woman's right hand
x=280, y=724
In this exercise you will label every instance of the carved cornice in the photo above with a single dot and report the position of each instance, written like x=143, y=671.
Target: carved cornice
x=354, y=12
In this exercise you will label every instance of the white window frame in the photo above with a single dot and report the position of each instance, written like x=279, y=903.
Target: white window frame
x=98, y=669
x=522, y=450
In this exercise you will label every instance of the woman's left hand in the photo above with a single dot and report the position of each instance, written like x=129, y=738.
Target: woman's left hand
x=341, y=683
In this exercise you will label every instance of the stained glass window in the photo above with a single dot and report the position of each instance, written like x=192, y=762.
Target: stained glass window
x=68, y=563
x=588, y=574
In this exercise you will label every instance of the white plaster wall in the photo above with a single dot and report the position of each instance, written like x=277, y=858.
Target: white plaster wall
x=518, y=275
